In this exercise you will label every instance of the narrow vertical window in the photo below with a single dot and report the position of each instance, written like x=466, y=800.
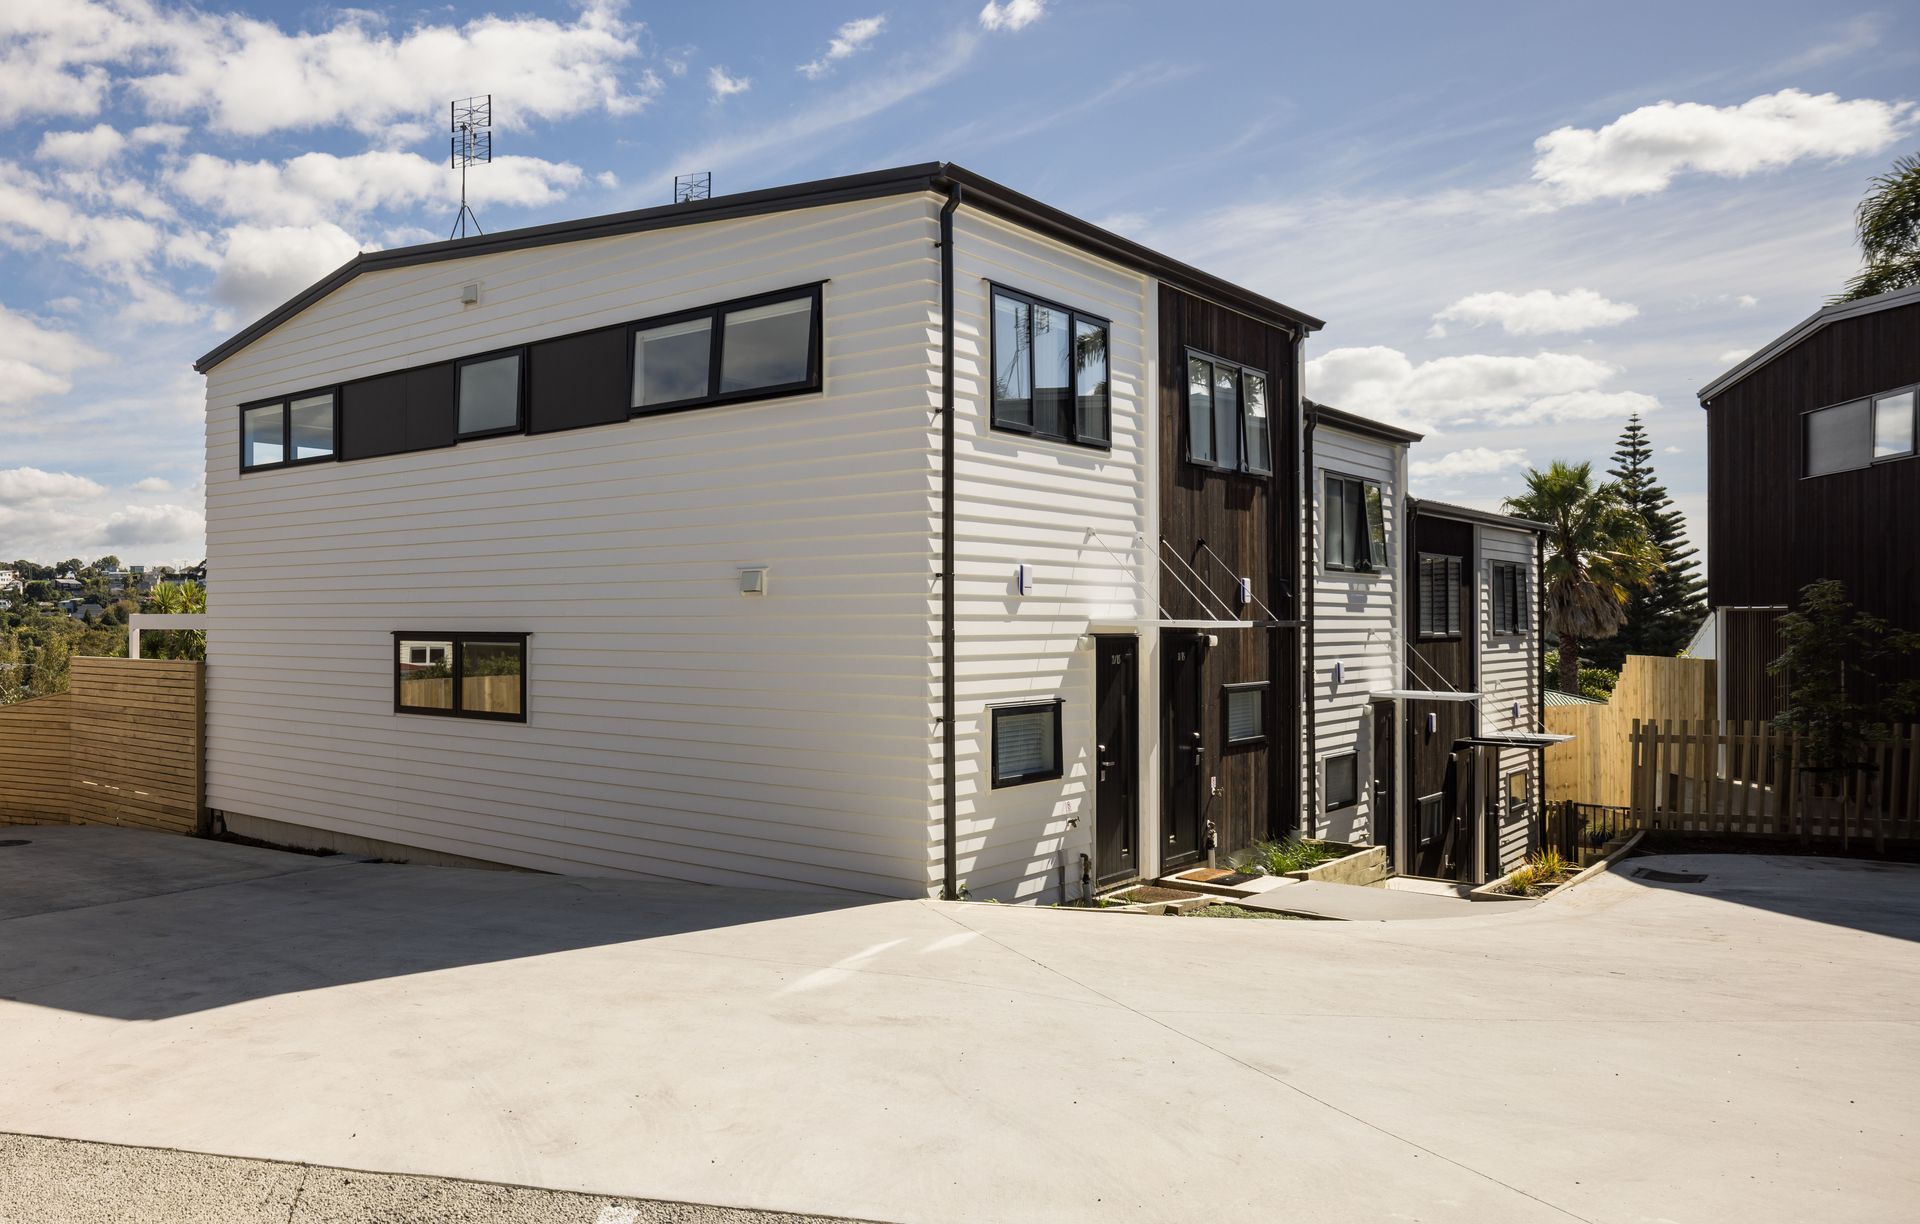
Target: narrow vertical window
x=1200, y=410
x=263, y=436
x=1376, y=527
x=1052, y=370
x=1012, y=362
x=1259, y=441
x=1226, y=416
x=1093, y=403
x=1893, y=425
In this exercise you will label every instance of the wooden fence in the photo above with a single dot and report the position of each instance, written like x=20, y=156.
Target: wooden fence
x=123, y=746
x=1701, y=776
x=1596, y=766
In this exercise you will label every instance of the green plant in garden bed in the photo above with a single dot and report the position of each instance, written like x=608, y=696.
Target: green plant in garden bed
x=1540, y=874
x=1278, y=858
x=1226, y=910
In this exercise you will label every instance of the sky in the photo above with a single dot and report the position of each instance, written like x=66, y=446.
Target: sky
x=1521, y=222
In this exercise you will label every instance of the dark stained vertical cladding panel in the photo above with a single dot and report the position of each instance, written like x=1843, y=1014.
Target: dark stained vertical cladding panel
x=392, y=414
x=1251, y=522
x=578, y=381
x=1770, y=531
x=1438, y=663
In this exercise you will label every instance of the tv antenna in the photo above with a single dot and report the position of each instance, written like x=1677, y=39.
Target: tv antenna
x=690, y=187
x=471, y=122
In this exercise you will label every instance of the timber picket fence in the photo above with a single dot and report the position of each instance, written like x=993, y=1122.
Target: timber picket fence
x=1745, y=778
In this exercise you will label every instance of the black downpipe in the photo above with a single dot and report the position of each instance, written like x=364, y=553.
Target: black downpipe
x=949, y=784
x=1308, y=557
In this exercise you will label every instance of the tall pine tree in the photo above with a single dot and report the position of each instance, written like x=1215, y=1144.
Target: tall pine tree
x=1660, y=620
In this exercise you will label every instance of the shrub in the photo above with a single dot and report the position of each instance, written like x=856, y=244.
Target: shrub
x=1278, y=858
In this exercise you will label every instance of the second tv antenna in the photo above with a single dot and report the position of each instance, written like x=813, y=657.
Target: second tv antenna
x=471, y=122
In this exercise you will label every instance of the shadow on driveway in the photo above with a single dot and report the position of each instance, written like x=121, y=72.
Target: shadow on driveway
x=1843, y=892
x=140, y=926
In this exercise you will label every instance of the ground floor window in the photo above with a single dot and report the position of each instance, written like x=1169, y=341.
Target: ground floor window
x=1246, y=713
x=1518, y=785
x=1026, y=742
x=1343, y=781
x=464, y=675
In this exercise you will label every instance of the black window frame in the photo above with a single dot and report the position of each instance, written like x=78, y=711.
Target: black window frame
x=1451, y=581
x=522, y=354
x=1913, y=427
x=1054, y=705
x=458, y=640
x=1073, y=434
x=1509, y=609
x=716, y=316
x=1869, y=459
x=1326, y=780
x=1241, y=369
x=1370, y=565
x=285, y=403
x=1226, y=707
x=1438, y=802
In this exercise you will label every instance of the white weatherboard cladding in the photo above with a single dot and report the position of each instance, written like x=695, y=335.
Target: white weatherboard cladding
x=1064, y=510
x=1356, y=625
x=677, y=728
x=1509, y=665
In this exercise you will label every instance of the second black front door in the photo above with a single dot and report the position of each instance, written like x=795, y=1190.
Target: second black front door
x=1383, y=823
x=1185, y=763
x=1116, y=806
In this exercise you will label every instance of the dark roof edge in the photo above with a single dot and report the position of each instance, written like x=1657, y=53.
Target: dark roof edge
x=1008, y=203
x=1342, y=419
x=1468, y=514
x=1806, y=327
x=927, y=176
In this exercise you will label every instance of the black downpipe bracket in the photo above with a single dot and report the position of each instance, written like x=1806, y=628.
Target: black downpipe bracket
x=949, y=783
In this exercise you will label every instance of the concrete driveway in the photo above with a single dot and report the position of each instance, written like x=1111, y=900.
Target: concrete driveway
x=1743, y=1049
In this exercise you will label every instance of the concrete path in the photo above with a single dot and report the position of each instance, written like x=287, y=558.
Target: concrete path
x=1745, y=1049
x=1352, y=903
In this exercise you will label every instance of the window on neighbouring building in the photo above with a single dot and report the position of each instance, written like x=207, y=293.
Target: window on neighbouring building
x=752, y=349
x=1438, y=596
x=288, y=431
x=1356, y=525
x=1228, y=426
x=1026, y=743
x=1246, y=712
x=1429, y=818
x=1050, y=370
x=1893, y=422
x=489, y=395
x=1342, y=781
x=467, y=675
x=1509, y=597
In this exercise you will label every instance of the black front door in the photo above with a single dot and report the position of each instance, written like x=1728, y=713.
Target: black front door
x=1116, y=806
x=1383, y=822
x=1186, y=756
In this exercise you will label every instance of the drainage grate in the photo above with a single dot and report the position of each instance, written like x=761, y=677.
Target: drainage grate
x=1668, y=877
x=14, y=841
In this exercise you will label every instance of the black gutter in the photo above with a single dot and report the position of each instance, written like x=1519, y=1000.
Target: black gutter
x=949, y=784
x=1308, y=557
x=988, y=196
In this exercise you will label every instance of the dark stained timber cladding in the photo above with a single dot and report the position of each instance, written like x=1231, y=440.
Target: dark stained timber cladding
x=1252, y=523
x=392, y=414
x=1439, y=663
x=1770, y=531
x=578, y=381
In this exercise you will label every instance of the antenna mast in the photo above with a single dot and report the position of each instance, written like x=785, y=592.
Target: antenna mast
x=471, y=122
x=690, y=187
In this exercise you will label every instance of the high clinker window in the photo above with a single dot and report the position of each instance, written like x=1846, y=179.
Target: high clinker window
x=1228, y=427
x=751, y=349
x=1509, y=597
x=461, y=675
x=1050, y=371
x=1439, y=596
x=285, y=432
x=1860, y=432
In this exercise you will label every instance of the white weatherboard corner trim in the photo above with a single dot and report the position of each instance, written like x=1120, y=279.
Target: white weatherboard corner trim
x=142, y=622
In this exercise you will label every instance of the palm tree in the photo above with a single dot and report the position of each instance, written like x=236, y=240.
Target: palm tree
x=1598, y=553
x=1888, y=223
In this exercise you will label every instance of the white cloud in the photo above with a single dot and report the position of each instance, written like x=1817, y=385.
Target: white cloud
x=1013, y=14
x=37, y=361
x=1385, y=383
x=1641, y=152
x=1537, y=313
x=262, y=266
x=94, y=147
x=1746, y=301
x=316, y=187
x=26, y=487
x=1673, y=450
x=724, y=85
x=851, y=39
x=168, y=135
x=1733, y=357
x=1578, y=406
x=1473, y=461
x=178, y=530
x=152, y=484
